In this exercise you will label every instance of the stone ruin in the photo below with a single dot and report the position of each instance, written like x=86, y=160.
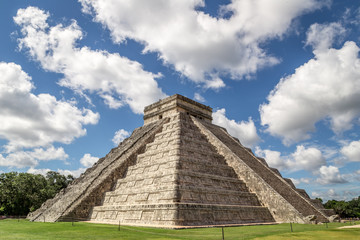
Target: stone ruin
x=180, y=170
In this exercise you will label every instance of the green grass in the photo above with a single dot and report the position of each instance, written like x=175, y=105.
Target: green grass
x=23, y=229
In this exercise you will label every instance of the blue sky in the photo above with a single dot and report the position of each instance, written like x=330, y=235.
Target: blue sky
x=283, y=77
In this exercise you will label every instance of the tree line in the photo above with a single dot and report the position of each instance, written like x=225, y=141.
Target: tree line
x=345, y=209
x=21, y=193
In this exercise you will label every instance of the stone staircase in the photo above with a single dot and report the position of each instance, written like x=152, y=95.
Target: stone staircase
x=259, y=174
x=78, y=199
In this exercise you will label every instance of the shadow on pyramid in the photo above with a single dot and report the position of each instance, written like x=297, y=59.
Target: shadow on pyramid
x=179, y=170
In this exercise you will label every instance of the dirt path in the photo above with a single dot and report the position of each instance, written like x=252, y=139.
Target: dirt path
x=352, y=226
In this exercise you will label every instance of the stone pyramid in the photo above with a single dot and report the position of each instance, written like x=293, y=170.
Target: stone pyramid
x=180, y=170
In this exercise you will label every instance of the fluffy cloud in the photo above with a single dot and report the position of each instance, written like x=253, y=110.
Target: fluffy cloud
x=244, y=131
x=30, y=120
x=322, y=36
x=75, y=173
x=352, y=151
x=87, y=160
x=21, y=159
x=330, y=175
x=309, y=159
x=273, y=158
x=42, y=171
x=336, y=194
x=200, y=46
x=119, y=136
x=198, y=97
x=326, y=87
x=301, y=180
x=116, y=79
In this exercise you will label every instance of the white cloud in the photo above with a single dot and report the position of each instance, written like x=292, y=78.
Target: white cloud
x=87, y=160
x=42, y=171
x=352, y=151
x=119, y=136
x=30, y=120
x=50, y=153
x=75, y=173
x=202, y=47
x=116, y=79
x=330, y=175
x=330, y=194
x=301, y=180
x=18, y=159
x=199, y=98
x=31, y=158
x=309, y=159
x=244, y=131
x=336, y=194
x=322, y=36
x=273, y=158
x=325, y=88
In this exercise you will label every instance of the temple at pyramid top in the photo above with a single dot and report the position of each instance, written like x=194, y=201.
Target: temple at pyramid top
x=174, y=104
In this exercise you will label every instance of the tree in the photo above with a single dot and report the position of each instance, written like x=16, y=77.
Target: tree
x=56, y=182
x=345, y=209
x=21, y=193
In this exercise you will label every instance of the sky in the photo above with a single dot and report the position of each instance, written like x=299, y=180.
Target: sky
x=282, y=76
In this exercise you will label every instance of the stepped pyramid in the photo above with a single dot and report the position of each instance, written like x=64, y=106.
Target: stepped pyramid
x=180, y=170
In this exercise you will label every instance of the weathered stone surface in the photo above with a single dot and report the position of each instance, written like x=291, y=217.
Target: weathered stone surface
x=334, y=218
x=181, y=170
x=85, y=192
x=284, y=202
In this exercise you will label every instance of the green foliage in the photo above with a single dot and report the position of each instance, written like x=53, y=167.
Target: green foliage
x=21, y=193
x=345, y=209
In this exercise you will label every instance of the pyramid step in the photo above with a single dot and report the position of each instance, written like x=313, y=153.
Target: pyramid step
x=183, y=151
x=145, y=197
x=195, y=165
x=190, y=178
x=167, y=134
x=154, y=155
x=182, y=193
x=197, y=143
x=195, y=214
x=148, y=168
x=163, y=143
x=183, y=177
x=217, y=196
x=188, y=214
x=193, y=152
x=265, y=175
x=203, y=166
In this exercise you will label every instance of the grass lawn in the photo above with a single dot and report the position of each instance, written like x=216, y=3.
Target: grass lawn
x=23, y=229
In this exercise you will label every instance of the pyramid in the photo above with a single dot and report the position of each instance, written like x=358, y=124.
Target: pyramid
x=180, y=170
